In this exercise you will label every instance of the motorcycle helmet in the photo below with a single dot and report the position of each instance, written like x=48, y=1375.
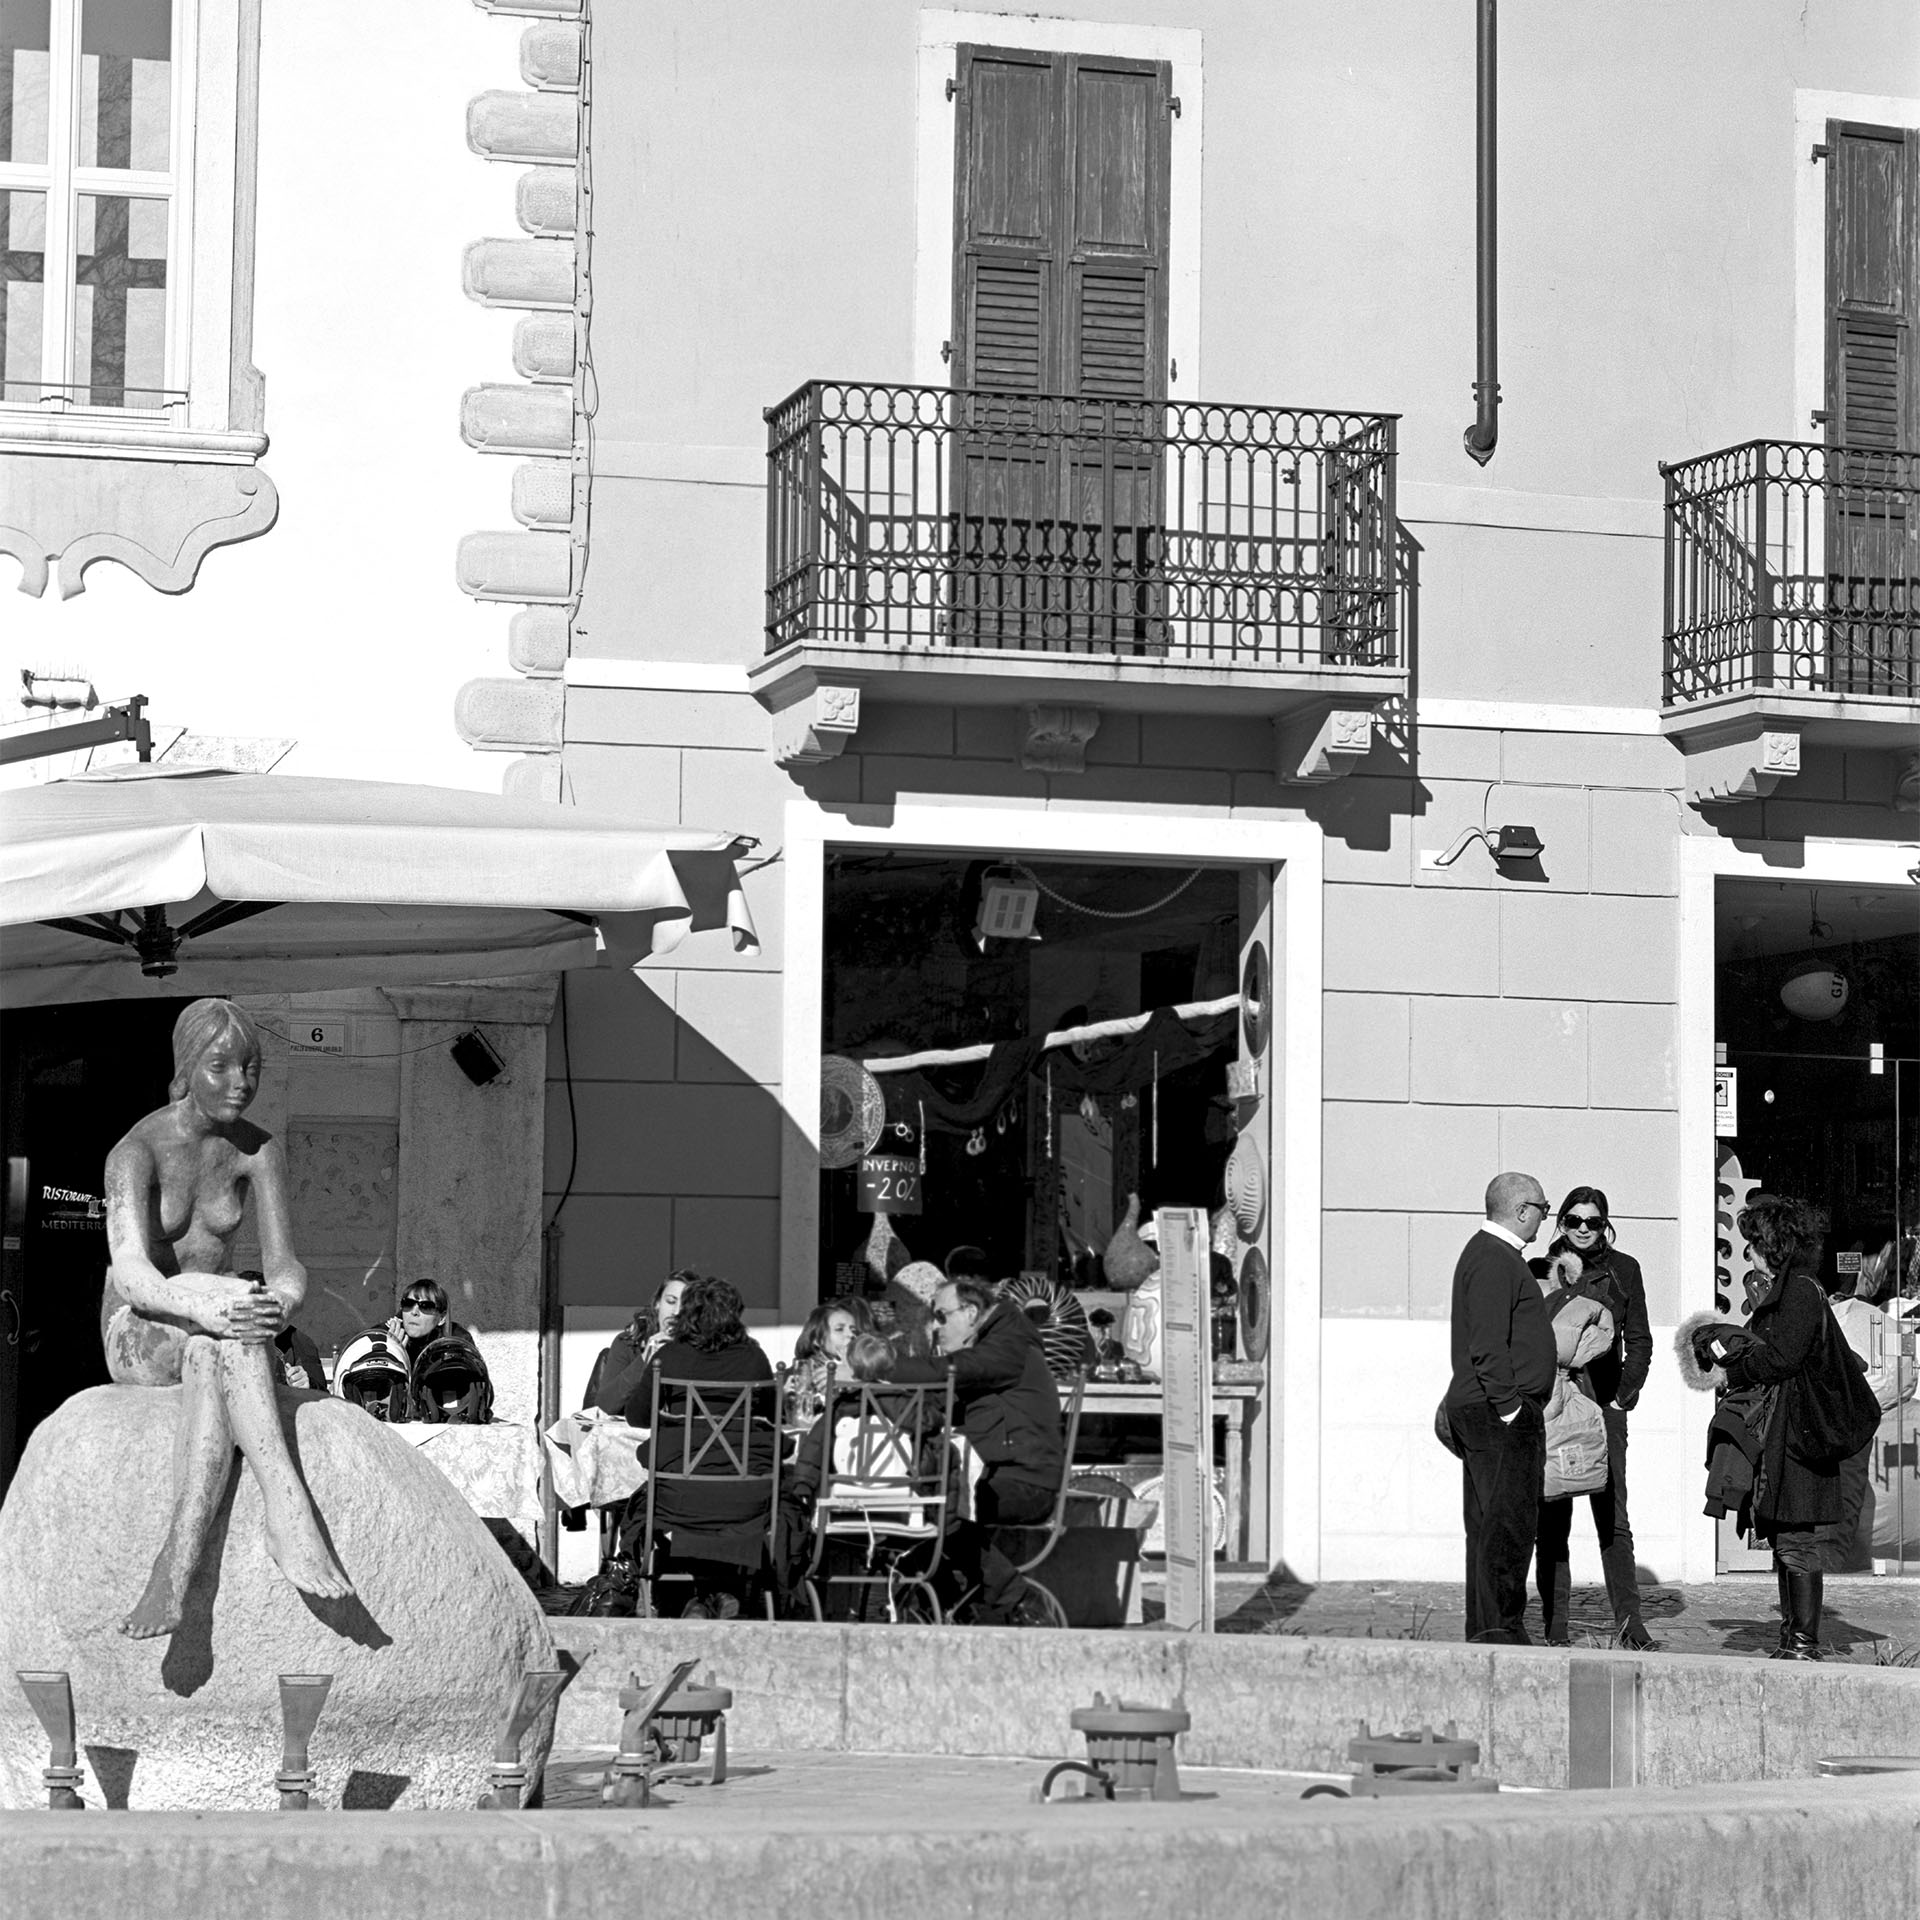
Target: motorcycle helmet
x=373, y=1376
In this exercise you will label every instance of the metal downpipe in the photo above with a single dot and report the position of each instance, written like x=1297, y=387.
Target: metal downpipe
x=1483, y=436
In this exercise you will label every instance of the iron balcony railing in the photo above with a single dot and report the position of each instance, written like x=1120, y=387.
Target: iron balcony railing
x=1792, y=565
x=902, y=518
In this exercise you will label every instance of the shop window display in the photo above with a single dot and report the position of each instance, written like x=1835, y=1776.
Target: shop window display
x=1818, y=1041
x=1036, y=1152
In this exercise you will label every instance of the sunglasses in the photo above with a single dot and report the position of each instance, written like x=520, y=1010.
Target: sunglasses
x=418, y=1306
x=1592, y=1222
x=941, y=1315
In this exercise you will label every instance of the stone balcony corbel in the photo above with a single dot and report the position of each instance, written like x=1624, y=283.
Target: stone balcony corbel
x=816, y=727
x=1321, y=743
x=1746, y=765
x=1056, y=738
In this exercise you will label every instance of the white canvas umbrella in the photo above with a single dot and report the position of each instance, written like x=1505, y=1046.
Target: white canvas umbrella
x=150, y=882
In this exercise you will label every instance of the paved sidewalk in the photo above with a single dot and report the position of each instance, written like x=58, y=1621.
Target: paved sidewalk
x=1865, y=1620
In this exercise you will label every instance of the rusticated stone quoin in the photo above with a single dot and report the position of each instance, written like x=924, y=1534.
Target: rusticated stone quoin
x=509, y=419
x=543, y=348
x=544, y=199
x=510, y=716
x=516, y=566
x=550, y=57
x=537, y=641
x=519, y=273
x=543, y=494
x=536, y=128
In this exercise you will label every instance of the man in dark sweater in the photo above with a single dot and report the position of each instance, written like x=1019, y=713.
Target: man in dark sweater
x=1009, y=1408
x=1503, y=1367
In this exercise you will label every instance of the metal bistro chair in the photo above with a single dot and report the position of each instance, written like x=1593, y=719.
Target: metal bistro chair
x=884, y=1487
x=1038, y=1542
x=724, y=1438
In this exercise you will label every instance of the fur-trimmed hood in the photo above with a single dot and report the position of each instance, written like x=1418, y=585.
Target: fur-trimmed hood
x=1700, y=1379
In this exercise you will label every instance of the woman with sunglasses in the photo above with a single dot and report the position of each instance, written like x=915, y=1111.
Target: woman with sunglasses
x=1583, y=1259
x=425, y=1317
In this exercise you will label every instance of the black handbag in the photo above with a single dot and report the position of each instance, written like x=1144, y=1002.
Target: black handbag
x=1832, y=1412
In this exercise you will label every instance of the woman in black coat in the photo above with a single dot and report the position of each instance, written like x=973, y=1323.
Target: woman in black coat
x=1790, y=1333
x=717, y=1527
x=1584, y=1260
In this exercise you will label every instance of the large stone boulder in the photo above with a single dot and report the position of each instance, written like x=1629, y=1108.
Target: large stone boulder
x=424, y=1656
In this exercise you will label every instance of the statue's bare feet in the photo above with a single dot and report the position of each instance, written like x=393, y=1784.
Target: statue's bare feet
x=158, y=1611
x=300, y=1553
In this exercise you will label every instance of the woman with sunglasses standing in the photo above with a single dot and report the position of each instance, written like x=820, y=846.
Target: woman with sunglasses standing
x=1583, y=1259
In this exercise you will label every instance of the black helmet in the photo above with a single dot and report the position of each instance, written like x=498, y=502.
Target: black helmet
x=450, y=1383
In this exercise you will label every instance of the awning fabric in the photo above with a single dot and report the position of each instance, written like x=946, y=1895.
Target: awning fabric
x=371, y=884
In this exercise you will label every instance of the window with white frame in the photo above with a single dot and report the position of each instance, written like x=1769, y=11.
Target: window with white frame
x=127, y=145
x=92, y=160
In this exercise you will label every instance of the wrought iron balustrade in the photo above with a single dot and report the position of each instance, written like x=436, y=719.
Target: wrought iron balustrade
x=1792, y=565
x=934, y=517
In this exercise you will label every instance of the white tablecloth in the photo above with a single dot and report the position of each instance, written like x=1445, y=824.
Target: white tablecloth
x=495, y=1467
x=594, y=1459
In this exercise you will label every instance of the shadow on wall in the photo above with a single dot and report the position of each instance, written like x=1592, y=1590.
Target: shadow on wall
x=665, y=1133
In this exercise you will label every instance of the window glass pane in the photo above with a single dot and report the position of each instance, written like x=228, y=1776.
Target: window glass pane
x=120, y=301
x=23, y=81
x=23, y=266
x=126, y=83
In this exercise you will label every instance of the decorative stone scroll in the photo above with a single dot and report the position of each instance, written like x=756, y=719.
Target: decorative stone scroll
x=1730, y=771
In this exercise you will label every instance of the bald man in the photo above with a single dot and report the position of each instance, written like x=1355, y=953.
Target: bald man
x=1503, y=1366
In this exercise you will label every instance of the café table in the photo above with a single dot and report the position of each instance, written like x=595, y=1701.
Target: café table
x=1236, y=1406
x=496, y=1467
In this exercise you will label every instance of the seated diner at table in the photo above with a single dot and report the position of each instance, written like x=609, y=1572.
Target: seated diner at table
x=1009, y=1410
x=448, y=1382
x=716, y=1534
x=822, y=1354
x=625, y=1356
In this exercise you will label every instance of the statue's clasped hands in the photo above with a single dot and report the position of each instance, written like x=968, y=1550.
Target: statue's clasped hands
x=252, y=1314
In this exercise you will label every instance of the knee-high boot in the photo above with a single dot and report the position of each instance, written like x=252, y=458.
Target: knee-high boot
x=1804, y=1591
x=1782, y=1576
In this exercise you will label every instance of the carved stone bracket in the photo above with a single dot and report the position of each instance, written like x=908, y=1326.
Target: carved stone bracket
x=158, y=518
x=1322, y=744
x=1906, y=784
x=1747, y=767
x=1056, y=738
x=816, y=727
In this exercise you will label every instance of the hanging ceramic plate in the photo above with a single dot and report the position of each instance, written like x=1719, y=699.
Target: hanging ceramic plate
x=1256, y=1305
x=1247, y=1187
x=852, y=1111
x=1256, y=999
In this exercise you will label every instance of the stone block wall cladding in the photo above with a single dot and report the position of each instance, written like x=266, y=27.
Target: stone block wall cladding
x=539, y=419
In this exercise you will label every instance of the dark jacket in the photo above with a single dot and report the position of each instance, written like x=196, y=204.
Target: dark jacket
x=728, y=1520
x=1502, y=1340
x=1613, y=1278
x=1008, y=1404
x=617, y=1371
x=294, y=1351
x=1790, y=1332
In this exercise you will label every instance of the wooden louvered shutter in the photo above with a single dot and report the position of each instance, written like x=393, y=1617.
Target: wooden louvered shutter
x=1873, y=263
x=1115, y=228
x=1006, y=222
x=1873, y=407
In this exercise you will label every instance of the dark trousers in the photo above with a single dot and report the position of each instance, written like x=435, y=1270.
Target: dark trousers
x=1553, y=1572
x=970, y=1549
x=1842, y=1535
x=1502, y=1466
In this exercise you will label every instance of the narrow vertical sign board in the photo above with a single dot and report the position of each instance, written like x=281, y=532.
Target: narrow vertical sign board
x=1186, y=1417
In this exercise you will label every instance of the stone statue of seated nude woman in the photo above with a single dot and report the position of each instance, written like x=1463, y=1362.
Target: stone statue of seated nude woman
x=177, y=1186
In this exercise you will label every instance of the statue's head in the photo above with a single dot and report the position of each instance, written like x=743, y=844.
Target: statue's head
x=217, y=1043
